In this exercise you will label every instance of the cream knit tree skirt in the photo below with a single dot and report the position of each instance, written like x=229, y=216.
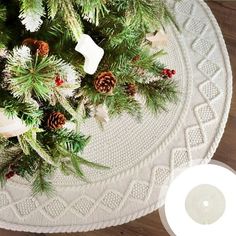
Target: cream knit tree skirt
x=141, y=155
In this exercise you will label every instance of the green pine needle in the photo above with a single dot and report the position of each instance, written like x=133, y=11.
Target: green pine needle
x=158, y=94
x=92, y=9
x=3, y=14
x=67, y=106
x=33, y=77
x=122, y=103
x=72, y=141
x=28, y=112
x=30, y=138
x=92, y=164
x=41, y=184
x=9, y=156
x=77, y=167
x=53, y=6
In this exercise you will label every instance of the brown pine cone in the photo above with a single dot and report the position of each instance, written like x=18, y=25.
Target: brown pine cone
x=105, y=82
x=131, y=89
x=136, y=58
x=56, y=120
x=29, y=42
x=42, y=48
x=37, y=46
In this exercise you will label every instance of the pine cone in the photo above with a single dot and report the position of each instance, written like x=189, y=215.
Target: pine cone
x=56, y=120
x=105, y=82
x=29, y=42
x=131, y=89
x=136, y=58
x=42, y=48
x=37, y=46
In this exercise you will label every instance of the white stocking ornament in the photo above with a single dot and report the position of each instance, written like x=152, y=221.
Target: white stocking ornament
x=91, y=51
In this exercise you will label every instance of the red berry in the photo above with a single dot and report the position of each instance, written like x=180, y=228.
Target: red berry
x=10, y=174
x=61, y=82
x=164, y=71
x=169, y=73
x=58, y=81
x=170, y=76
x=173, y=72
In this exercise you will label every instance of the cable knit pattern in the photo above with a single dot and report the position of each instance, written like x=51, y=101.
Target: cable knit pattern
x=143, y=157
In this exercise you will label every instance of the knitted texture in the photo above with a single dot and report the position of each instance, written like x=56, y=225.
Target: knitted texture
x=142, y=156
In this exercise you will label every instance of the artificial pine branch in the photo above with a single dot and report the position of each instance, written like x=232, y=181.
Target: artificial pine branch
x=77, y=162
x=3, y=142
x=147, y=65
x=53, y=6
x=122, y=103
x=3, y=15
x=149, y=61
x=28, y=112
x=4, y=37
x=9, y=156
x=143, y=13
x=77, y=167
x=58, y=36
x=72, y=141
x=66, y=105
x=31, y=13
x=147, y=15
x=117, y=103
x=42, y=184
x=158, y=94
x=30, y=138
x=64, y=143
x=92, y=10
x=91, y=164
x=124, y=38
x=32, y=76
x=71, y=18
x=24, y=145
x=26, y=165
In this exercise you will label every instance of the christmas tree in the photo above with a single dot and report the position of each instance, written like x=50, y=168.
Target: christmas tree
x=62, y=62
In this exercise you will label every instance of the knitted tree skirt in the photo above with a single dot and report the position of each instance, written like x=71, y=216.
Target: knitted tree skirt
x=141, y=156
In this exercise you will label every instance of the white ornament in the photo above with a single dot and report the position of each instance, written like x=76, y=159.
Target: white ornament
x=101, y=114
x=158, y=40
x=91, y=51
x=11, y=127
